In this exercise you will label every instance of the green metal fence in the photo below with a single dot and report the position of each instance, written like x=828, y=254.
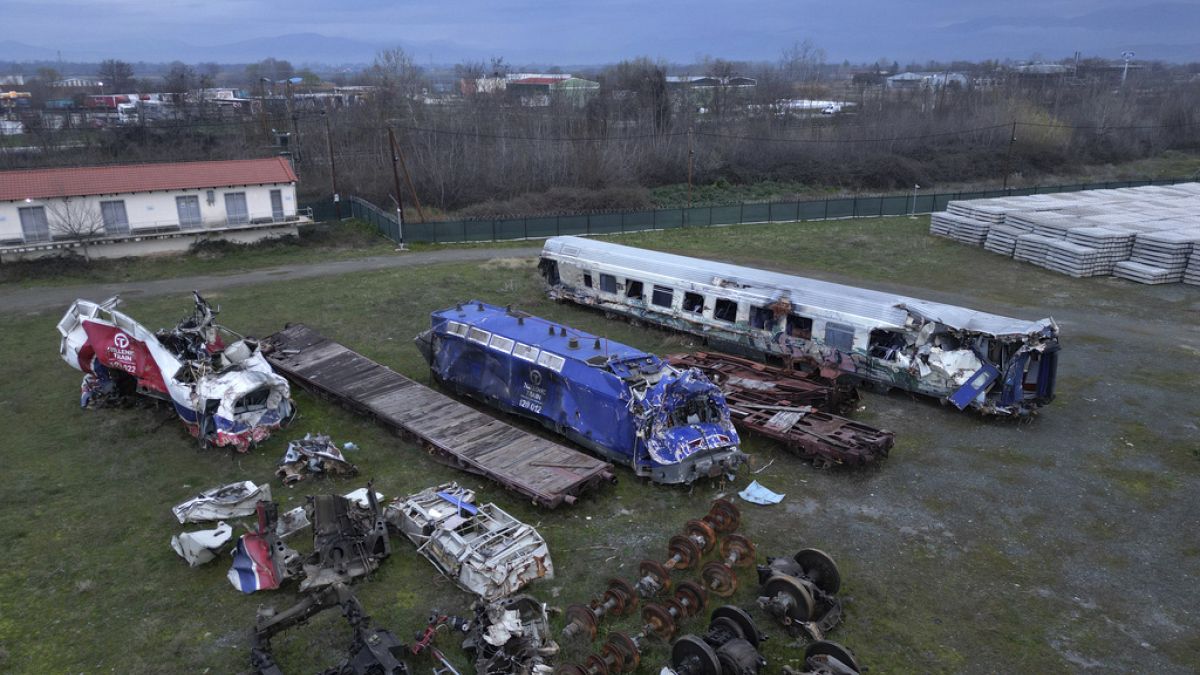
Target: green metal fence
x=537, y=227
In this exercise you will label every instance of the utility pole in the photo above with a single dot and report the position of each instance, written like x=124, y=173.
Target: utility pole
x=337, y=206
x=396, y=183
x=1008, y=158
x=1128, y=56
x=398, y=153
x=691, y=153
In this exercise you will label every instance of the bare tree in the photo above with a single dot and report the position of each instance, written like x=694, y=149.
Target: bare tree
x=399, y=81
x=75, y=220
x=116, y=75
x=801, y=63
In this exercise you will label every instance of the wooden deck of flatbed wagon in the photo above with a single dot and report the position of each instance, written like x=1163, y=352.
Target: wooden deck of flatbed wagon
x=546, y=472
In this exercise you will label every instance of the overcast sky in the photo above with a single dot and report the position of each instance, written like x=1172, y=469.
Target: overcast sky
x=596, y=31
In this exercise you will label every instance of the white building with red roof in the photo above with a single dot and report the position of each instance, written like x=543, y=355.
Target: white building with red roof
x=138, y=209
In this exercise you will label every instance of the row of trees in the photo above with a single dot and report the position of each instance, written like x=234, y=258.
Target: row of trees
x=486, y=154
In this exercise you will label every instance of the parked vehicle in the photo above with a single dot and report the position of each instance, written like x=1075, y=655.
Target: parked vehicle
x=994, y=364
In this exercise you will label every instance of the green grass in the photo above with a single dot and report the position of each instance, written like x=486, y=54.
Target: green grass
x=946, y=566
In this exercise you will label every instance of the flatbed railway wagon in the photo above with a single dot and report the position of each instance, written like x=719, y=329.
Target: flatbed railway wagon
x=971, y=359
x=667, y=424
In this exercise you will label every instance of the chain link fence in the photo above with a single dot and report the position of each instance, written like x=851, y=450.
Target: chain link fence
x=745, y=213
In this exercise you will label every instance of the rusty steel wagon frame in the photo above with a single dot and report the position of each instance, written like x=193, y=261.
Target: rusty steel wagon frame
x=793, y=408
x=456, y=434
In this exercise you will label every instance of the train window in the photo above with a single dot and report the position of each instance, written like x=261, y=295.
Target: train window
x=725, y=310
x=587, y=279
x=693, y=302
x=663, y=296
x=608, y=283
x=762, y=317
x=633, y=289
x=501, y=343
x=801, y=326
x=478, y=335
x=552, y=361
x=839, y=336
x=524, y=351
x=456, y=328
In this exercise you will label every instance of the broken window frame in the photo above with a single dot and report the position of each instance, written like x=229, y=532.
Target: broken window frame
x=662, y=292
x=762, y=318
x=693, y=302
x=800, y=327
x=587, y=279
x=635, y=289
x=726, y=316
x=608, y=283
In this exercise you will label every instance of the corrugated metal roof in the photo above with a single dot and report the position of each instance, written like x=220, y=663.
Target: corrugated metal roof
x=885, y=308
x=103, y=180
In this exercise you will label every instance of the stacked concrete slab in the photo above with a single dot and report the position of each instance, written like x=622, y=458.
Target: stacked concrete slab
x=1147, y=234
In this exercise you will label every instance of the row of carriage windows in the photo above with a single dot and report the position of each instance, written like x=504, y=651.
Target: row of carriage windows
x=837, y=335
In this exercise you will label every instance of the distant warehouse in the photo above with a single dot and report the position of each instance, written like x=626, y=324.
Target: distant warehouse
x=140, y=209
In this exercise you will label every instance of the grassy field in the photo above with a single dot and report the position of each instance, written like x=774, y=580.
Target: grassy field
x=977, y=546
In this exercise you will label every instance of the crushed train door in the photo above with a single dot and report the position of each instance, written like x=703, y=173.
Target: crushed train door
x=981, y=380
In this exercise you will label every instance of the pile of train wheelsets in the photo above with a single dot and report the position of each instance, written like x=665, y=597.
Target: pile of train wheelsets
x=797, y=592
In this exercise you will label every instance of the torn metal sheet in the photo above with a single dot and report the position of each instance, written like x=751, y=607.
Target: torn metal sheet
x=201, y=546
x=670, y=425
x=226, y=502
x=291, y=523
x=756, y=493
x=872, y=336
x=481, y=547
x=313, y=455
x=225, y=393
x=260, y=560
x=511, y=637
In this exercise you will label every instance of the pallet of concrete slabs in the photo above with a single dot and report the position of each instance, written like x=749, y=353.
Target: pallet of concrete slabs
x=1145, y=274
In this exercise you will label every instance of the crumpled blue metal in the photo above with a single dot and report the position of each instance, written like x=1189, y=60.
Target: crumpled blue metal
x=669, y=445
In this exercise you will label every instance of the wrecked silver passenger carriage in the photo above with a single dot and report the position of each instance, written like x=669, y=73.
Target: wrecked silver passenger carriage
x=482, y=548
x=994, y=364
x=226, y=394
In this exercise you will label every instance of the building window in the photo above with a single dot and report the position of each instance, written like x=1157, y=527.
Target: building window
x=693, y=302
x=236, y=212
x=800, y=326
x=189, y=212
x=33, y=224
x=587, y=279
x=663, y=296
x=840, y=336
x=634, y=290
x=762, y=317
x=608, y=283
x=725, y=310
x=115, y=220
x=277, y=205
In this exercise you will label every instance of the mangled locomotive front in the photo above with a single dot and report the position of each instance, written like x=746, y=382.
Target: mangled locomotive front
x=990, y=363
x=626, y=405
x=226, y=395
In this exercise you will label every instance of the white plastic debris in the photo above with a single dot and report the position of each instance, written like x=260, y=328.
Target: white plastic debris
x=359, y=497
x=201, y=546
x=291, y=522
x=228, y=501
x=757, y=494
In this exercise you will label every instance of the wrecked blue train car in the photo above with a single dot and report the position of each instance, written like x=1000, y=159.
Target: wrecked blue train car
x=632, y=408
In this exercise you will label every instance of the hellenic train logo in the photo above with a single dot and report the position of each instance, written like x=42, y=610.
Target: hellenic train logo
x=121, y=340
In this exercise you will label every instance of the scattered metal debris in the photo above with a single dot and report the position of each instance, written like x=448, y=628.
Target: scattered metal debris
x=373, y=651
x=628, y=406
x=482, y=548
x=220, y=503
x=511, y=637
x=801, y=592
x=226, y=394
x=201, y=546
x=994, y=364
x=349, y=541
x=826, y=658
x=424, y=641
x=796, y=409
x=315, y=454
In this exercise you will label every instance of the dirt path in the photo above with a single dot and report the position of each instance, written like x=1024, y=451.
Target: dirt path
x=37, y=298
